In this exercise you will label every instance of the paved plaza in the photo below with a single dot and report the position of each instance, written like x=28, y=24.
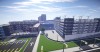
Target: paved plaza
x=52, y=34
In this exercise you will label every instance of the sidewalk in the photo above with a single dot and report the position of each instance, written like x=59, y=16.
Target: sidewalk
x=55, y=36
x=36, y=43
x=52, y=34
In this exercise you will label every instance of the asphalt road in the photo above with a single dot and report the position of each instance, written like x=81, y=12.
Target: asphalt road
x=12, y=45
x=17, y=44
x=98, y=50
x=30, y=46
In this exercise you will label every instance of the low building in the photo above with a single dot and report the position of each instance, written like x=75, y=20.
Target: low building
x=21, y=26
x=47, y=26
x=4, y=31
x=35, y=28
x=33, y=31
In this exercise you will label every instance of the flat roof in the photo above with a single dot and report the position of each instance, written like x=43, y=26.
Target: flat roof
x=4, y=25
x=37, y=25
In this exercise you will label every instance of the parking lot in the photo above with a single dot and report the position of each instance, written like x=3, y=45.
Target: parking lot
x=18, y=45
x=12, y=46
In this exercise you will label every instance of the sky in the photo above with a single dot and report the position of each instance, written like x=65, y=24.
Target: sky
x=18, y=10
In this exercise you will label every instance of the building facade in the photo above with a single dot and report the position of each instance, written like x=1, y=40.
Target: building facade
x=4, y=31
x=21, y=26
x=70, y=28
x=42, y=18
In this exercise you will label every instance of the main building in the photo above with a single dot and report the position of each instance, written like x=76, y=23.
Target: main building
x=70, y=28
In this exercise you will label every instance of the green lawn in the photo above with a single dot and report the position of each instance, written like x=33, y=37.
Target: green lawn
x=71, y=44
x=49, y=45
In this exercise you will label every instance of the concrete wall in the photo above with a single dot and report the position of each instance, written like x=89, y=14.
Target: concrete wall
x=74, y=36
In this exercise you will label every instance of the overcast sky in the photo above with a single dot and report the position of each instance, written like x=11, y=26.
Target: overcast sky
x=17, y=10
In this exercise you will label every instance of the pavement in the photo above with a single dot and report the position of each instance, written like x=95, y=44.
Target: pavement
x=11, y=46
x=52, y=34
x=93, y=50
x=30, y=46
x=36, y=43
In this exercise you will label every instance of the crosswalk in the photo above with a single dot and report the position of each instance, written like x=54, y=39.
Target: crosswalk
x=11, y=50
x=16, y=49
x=16, y=42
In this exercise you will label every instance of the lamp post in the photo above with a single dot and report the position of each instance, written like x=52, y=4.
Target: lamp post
x=80, y=45
x=57, y=37
x=84, y=42
x=95, y=41
x=63, y=45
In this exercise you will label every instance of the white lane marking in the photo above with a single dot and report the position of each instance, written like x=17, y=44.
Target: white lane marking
x=31, y=43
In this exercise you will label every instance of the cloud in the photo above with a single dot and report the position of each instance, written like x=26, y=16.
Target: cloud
x=93, y=10
x=31, y=2
x=43, y=8
x=81, y=6
x=48, y=9
x=20, y=9
x=13, y=7
x=54, y=0
x=39, y=9
x=76, y=7
x=25, y=3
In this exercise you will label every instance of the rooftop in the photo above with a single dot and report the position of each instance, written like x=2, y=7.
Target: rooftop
x=4, y=25
x=37, y=25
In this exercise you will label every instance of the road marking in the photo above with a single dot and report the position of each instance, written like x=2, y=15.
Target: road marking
x=3, y=44
x=4, y=50
x=0, y=50
x=21, y=41
x=28, y=42
x=6, y=43
x=31, y=43
x=17, y=42
x=8, y=50
x=12, y=50
x=16, y=49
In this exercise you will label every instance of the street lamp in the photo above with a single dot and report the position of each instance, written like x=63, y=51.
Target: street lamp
x=64, y=44
x=95, y=41
x=81, y=43
x=57, y=37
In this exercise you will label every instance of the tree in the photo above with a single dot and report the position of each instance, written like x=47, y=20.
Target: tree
x=42, y=30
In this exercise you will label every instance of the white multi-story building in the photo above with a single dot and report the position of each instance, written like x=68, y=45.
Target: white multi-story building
x=70, y=28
